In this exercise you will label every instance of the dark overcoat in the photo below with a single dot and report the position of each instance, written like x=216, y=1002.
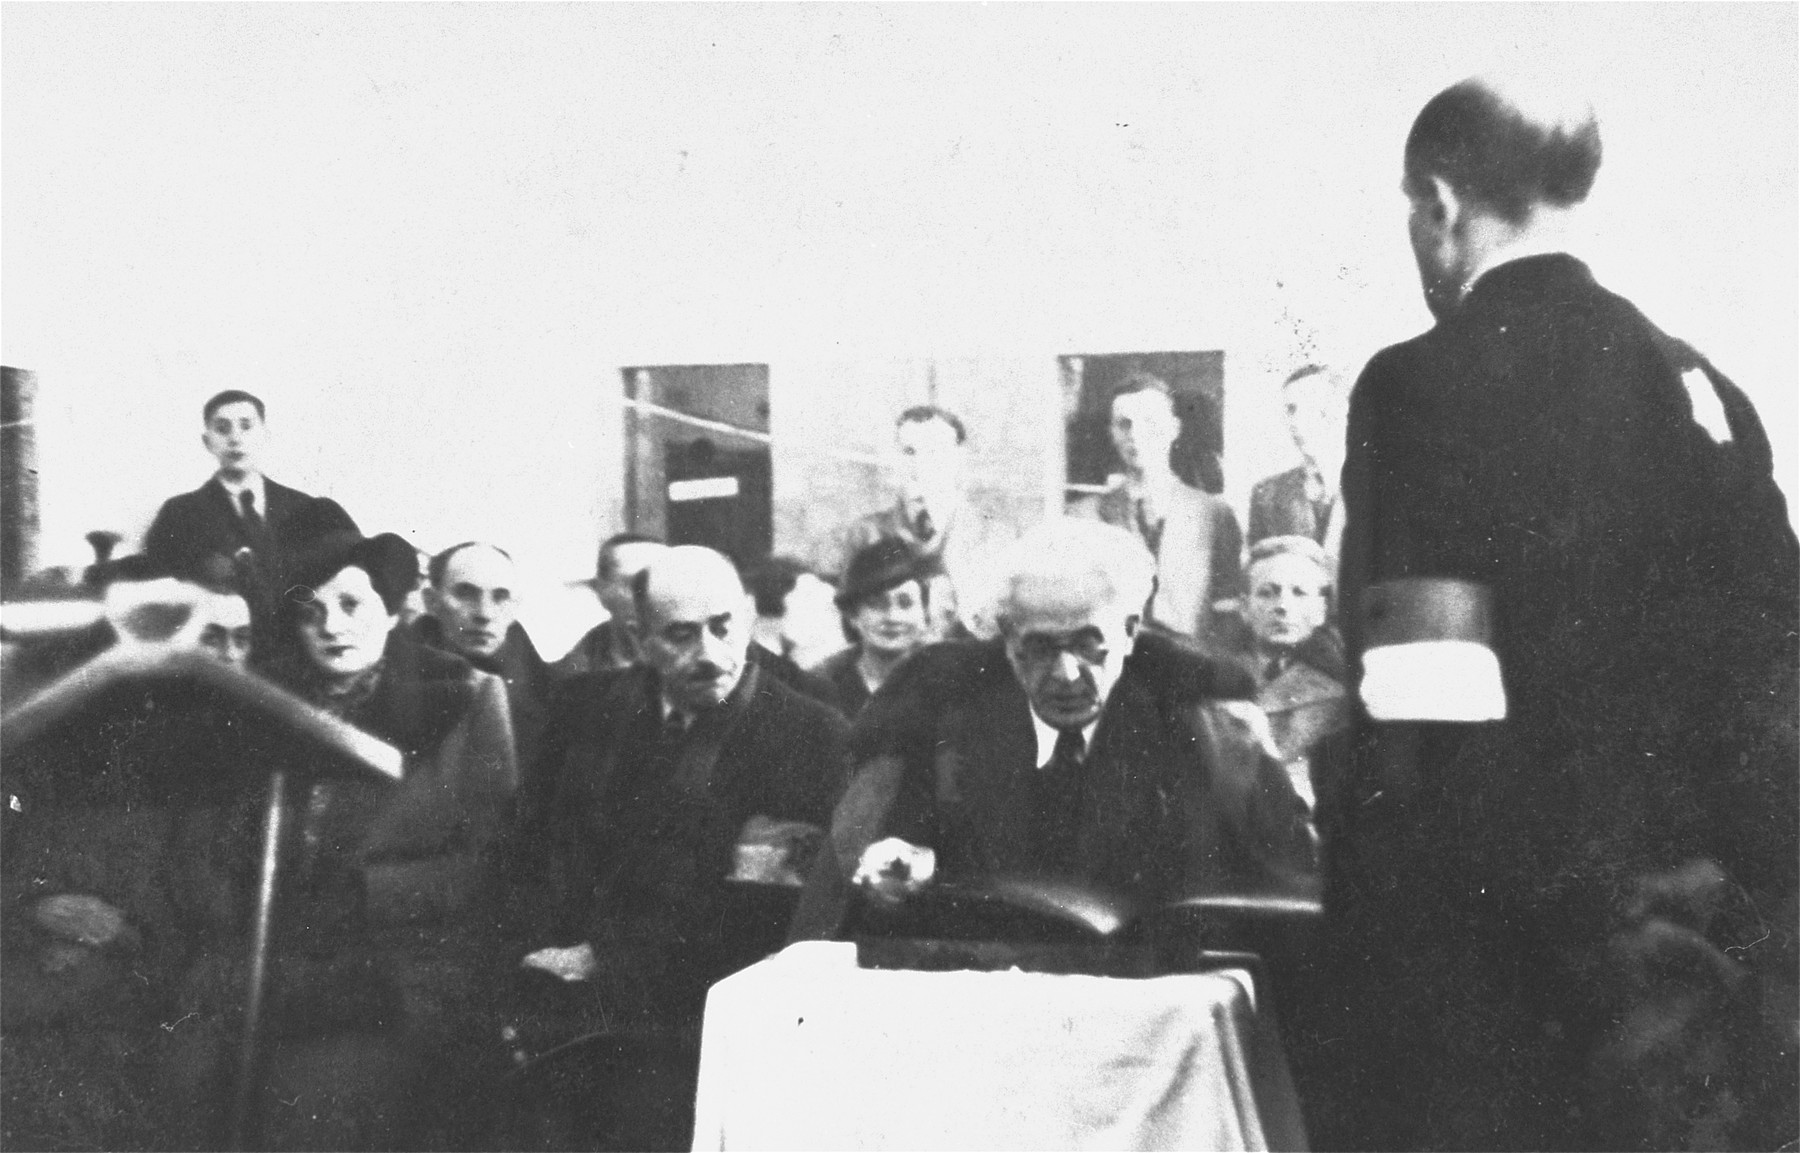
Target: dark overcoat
x=1614, y=492
x=634, y=837
x=1176, y=799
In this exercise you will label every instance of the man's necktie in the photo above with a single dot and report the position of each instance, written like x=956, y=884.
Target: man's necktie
x=923, y=528
x=255, y=528
x=1320, y=499
x=1151, y=532
x=1058, y=800
x=1070, y=751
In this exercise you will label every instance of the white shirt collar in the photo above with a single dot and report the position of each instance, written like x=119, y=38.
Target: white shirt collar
x=254, y=485
x=1046, y=737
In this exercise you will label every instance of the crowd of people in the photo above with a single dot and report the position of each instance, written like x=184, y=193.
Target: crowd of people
x=1542, y=926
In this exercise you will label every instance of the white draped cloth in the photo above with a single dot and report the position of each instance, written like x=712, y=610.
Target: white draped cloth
x=805, y=1050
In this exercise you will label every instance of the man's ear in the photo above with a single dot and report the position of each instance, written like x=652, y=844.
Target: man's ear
x=1131, y=624
x=1448, y=209
x=433, y=597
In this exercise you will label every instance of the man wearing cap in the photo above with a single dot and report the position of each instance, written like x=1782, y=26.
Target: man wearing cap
x=885, y=604
x=197, y=534
x=1075, y=745
x=1563, y=869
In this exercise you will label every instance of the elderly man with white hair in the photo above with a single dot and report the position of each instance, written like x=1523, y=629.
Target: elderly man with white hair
x=1074, y=746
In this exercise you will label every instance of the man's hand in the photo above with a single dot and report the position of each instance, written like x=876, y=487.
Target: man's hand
x=892, y=870
x=575, y=963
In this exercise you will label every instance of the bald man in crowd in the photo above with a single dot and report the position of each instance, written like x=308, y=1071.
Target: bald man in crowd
x=472, y=609
x=1563, y=904
x=685, y=794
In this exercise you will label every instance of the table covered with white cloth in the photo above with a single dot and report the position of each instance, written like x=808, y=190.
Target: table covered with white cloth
x=804, y=1050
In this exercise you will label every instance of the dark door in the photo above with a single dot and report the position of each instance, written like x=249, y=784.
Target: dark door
x=698, y=469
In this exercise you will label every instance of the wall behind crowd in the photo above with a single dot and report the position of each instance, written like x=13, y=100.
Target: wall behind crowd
x=430, y=235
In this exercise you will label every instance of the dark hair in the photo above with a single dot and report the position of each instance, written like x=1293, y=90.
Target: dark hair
x=440, y=564
x=605, y=566
x=231, y=396
x=1492, y=151
x=771, y=581
x=920, y=413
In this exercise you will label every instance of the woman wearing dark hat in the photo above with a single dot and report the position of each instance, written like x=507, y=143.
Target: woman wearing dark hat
x=386, y=900
x=884, y=603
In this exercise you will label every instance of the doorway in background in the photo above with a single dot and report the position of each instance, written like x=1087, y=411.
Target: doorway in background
x=697, y=461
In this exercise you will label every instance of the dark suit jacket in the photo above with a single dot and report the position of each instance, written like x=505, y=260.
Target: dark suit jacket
x=806, y=683
x=1549, y=442
x=1175, y=799
x=527, y=677
x=634, y=836
x=839, y=669
x=1279, y=507
x=198, y=532
x=603, y=648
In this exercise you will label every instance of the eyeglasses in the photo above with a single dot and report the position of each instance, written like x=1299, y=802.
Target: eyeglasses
x=1087, y=645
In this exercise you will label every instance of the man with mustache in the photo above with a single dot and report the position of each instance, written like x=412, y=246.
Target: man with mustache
x=1075, y=745
x=682, y=797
